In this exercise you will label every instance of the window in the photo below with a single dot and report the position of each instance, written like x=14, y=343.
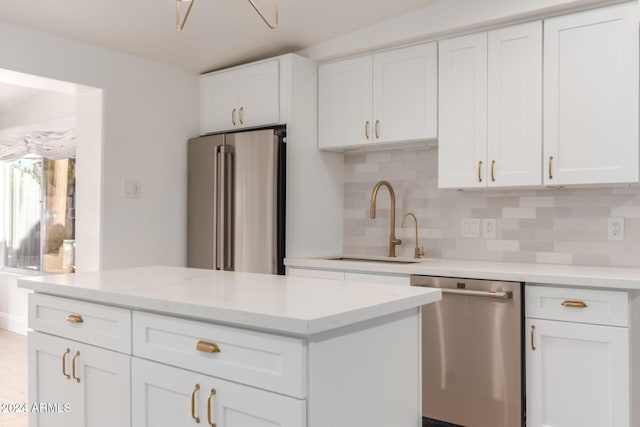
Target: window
x=39, y=214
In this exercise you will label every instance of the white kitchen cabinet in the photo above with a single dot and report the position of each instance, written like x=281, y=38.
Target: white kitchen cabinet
x=490, y=115
x=169, y=396
x=382, y=98
x=514, y=141
x=90, y=386
x=462, y=112
x=578, y=369
x=243, y=97
x=591, y=97
x=351, y=276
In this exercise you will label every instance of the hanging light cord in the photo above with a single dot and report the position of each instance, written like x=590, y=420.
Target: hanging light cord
x=180, y=24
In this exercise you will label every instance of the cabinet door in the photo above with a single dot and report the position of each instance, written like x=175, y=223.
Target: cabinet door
x=462, y=123
x=514, y=148
x=162, y=396
x=591, y=96
x=219, y=102
x=91, y=389
x=168, y=396
x=405, y=94
x=105, y=384
x=50, y=382
x=345, y=103
x=317, y=274
x=259, y=94
x=577, y=375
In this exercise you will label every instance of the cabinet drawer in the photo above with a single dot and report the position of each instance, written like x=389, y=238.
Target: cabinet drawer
x=602, y=307
x=385, y=279
x=96, y=324
x=267, y=361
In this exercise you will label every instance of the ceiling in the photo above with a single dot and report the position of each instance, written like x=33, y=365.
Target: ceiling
x=218, y=33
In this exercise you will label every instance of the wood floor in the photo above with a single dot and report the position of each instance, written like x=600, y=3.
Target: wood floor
x=13, y=377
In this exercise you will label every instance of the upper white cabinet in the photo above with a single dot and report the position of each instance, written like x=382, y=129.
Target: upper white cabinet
x=591, y=96
x=382, y=98
x=462, y=100
x=490, y=108
x=515, y=106
x=243, y=97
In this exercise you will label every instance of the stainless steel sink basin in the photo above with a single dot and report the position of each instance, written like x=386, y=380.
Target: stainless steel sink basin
x=385, y=260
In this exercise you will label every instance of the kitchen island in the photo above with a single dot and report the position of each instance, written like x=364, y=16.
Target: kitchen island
x=166, y=346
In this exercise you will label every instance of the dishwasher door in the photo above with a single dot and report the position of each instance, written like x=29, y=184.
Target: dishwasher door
x=472, y=365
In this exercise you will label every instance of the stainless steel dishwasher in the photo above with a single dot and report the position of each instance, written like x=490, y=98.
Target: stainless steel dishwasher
x=472, y=368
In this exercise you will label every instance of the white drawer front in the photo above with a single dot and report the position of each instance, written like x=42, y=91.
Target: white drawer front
x=385, y=279
x=602, y=307
x=267, y=361
x=102, y=326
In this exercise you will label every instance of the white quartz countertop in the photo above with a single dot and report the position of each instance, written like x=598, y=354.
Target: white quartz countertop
x=289, y=305
x=570, y=275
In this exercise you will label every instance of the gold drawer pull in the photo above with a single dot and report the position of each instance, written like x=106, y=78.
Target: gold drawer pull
x=493, y=166
x=533, y=344
x=213, y=393
x=73, y=366
x=366, y=129
x=193, y=403
x=241, y=115
x=64, y=364
x=479, y=170
x=233, y=116
x=74, y=318
x=575, y=304
x=377, y=129
x=550, y=167
x=207, y=347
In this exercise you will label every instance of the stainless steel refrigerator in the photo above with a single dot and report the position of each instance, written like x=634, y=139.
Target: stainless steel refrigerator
x=236, y=201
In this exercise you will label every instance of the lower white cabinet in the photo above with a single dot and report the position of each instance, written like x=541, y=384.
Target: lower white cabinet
x=168, y=396
x=75, y=384
x=577, y=372
x=368, y=277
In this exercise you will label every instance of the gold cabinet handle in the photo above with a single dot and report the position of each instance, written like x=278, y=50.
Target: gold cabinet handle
x=64, y=363
x=73, y=366
x=233, y=116
x=574, y=304
x=550, y=167
x=74, y=318
x=241, y=115
x=377, y=129
x=493, y=166
x=479, y=171
x=366, y=129
x=533, y=345
x=207, y=347
x=193, y=403
x=213, y=393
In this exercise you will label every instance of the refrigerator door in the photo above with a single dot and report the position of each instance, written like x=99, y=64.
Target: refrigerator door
x=250, y=210
x=203, y=202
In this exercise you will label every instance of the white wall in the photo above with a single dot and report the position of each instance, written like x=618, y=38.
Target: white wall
x=41, y=107
x=149, y=111
x=443, y=18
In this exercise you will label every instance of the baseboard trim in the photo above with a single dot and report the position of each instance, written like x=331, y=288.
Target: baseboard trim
x=13, y=323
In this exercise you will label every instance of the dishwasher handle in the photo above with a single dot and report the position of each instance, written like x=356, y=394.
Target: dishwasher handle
x=485, y=294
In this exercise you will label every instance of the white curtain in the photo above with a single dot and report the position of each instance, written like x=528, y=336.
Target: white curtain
x=52, y=140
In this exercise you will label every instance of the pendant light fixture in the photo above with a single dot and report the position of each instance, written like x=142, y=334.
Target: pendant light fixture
x=180, y=23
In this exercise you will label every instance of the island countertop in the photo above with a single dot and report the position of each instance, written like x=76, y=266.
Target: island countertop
x=288, y=305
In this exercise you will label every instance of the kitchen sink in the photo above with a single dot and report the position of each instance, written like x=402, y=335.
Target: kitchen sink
x=385, y=260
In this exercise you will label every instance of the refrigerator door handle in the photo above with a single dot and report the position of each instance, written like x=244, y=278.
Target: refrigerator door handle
x=219, y=209
x=229, y=225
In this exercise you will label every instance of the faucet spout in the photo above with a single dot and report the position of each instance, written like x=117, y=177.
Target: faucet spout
x=393, y=242
x=418, y=251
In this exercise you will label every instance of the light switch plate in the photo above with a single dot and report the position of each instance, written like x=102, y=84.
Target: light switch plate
x=615, y=229
x=131, y=188
x=470, y=228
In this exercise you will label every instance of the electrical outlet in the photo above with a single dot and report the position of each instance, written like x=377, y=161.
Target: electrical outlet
x=470, y=228
x=131, y=188
x=616, y=229
x=489, y=228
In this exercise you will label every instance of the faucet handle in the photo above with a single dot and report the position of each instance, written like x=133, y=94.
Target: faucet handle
x=419, y=252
